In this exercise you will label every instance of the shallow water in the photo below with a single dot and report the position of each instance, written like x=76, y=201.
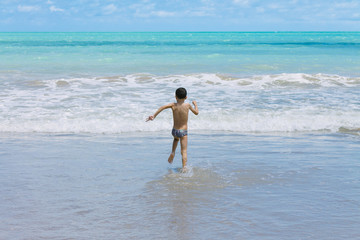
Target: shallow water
x=253, y=186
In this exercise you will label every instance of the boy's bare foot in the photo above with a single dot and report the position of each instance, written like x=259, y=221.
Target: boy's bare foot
x=171, y=158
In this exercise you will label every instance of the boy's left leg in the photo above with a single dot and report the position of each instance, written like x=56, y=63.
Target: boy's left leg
x=172, y=155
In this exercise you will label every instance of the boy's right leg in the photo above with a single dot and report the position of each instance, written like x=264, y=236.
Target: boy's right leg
x=184, y=143
x=172, y=155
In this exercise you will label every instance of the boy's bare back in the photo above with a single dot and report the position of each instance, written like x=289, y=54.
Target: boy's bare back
x=180, y=111
x=181, y=114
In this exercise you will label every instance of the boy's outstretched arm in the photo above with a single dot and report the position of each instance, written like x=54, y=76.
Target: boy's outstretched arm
x=196, y=110
x=152, y=117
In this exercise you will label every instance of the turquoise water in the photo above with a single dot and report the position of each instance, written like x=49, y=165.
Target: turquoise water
x=273, y=154
x=235, y=53
x=244, y=82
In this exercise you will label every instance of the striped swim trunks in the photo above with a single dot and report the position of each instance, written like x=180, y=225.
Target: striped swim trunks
x=178, y=133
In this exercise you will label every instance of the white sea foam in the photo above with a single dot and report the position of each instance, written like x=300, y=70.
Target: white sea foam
x=115, y=104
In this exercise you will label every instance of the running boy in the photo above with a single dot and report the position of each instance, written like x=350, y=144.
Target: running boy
x=180, y=111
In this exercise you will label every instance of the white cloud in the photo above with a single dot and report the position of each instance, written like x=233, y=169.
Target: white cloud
x=260, y=10
x=146, y=9
x=274, y=6
x=202, y=12
x=143, y=10
x=49, y=2
x=350, y=5
x=6, y=20
x=163, y=13
x=109, y=9
x=241, y=2
x=278, y=7
x=208, y=2
x=55, y=9
x=28, y=8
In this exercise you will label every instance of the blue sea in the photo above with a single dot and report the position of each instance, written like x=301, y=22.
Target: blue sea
x=273, y=154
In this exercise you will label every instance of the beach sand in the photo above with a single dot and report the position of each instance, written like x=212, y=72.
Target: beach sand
x=239, y=186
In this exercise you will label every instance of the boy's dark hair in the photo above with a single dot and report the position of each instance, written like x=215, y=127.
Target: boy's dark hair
x=181, y=93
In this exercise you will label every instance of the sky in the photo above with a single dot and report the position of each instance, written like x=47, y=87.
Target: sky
x=179, y=15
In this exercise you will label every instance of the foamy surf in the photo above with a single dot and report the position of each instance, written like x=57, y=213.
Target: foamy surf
x=192, y=178
x=116, y=104
x=186, y=172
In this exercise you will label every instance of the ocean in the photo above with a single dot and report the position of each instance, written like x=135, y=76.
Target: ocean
x=273, y=154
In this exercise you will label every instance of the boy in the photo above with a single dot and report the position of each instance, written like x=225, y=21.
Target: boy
x=180, y=111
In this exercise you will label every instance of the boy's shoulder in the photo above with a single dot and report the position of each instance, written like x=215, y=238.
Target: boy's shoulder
x=169, y=105
x=181, y=104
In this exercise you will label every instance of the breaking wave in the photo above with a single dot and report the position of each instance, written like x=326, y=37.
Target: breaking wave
x=116, y=104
